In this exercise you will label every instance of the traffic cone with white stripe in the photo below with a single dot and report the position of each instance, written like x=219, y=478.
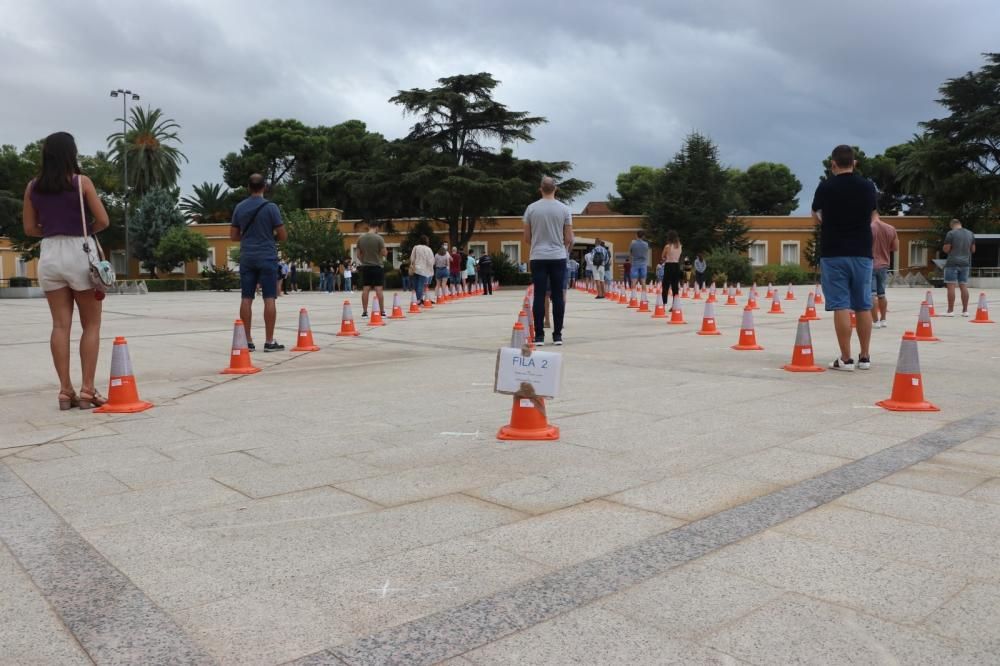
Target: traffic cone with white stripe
x=748, y=336
x=775, y=304
x=123, y=394
x=528, y=422
x=819, y=294
x=304, y=341
x=790, y=295
x=739, y=289
x=347, y=327
x=239, y=356
x=908, y=384
x=397, y=309
x=770, y=291
x=752, y=300
x=803, y=359
x=708, y=321
x=711, y=294
x=731, y=297
x=925, y=332
x=676, y=314
x=660, y=312
x=811, y=313
x=528, y=325
x=982, y=311
x=929, y=299
x=643, y=301
x=414, y=306
x=518, y=336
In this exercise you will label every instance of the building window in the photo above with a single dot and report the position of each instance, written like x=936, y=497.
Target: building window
x=207, y=263
x=477, y=249
x=789, y=253
x=21, y=268
x=758, y=253
x=512, y=249
x=918, y=254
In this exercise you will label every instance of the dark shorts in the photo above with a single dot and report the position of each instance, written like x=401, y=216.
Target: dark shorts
x=456, y=278
x=847, y=283
x=258, y=271
x=880, y=277
x=372, y=276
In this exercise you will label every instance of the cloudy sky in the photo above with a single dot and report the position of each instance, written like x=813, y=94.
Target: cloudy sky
x=620, y=82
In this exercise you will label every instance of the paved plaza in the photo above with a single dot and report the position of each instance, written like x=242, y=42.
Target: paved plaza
x=352, y=506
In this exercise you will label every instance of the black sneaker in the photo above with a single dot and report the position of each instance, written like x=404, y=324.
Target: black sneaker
x=251, y=346
x=364, y=315
x=383, y=313
x=539, y=342
x=840, y=364
x=864, y=363
x=557, y=340
x=273, y=346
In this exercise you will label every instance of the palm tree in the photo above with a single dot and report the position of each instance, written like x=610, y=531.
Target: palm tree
x=152, y=161
x=210, y=203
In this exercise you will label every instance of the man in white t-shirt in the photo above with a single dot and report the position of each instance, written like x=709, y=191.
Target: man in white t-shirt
x=548, y=231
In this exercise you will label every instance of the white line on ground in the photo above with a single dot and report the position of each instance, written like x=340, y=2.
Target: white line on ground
x=461, y=434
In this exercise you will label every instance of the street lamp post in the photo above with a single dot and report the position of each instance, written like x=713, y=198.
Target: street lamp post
x=125, y=95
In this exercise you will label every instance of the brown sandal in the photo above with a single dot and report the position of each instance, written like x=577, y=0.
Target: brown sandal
x=91, y=399
x=68, y=400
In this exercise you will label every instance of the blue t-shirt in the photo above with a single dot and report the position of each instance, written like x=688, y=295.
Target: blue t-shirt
x=257, y=237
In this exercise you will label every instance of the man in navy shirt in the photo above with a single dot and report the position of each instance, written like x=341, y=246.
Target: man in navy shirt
x=845, y=205
x=257, y=225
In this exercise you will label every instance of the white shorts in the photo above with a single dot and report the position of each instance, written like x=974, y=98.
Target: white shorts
x=63, y=263
x=599, y=273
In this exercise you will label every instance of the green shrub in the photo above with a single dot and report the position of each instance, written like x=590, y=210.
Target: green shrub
x=182, y=284
x=766, y=275
x=520, y=278
x=734, y=265
x=306, y=280
x=791, y=273
x=220, y=278
x=503, y=269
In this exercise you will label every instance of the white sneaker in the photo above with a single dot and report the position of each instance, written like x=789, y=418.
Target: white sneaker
x=948, y=314
x=965, y=313
x=864, y=363
x=839, y=364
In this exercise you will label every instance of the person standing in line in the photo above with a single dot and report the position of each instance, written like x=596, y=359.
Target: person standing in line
x=671, y=258
x=609, y=271
x=638, y=251
x=422, y=266
x=52, y=211
x=347, y=274
x=442, y=267
x=257, y=225
x=573, y=266
x=470, y=273
x=599, y=259
x=292, y=272
x=548, y=232
x=845, y=205
x=884, y=243
x=959, y=245
x=627, y=274
x=588, y=269
x=486, y=273
x=282, y=276
x=404, y=273
x=372, y=252
x=455, y=268
x=324, y=272
x=659, y=274
x=700, y=268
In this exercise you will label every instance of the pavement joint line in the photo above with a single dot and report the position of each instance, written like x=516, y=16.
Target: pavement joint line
x=455, y=631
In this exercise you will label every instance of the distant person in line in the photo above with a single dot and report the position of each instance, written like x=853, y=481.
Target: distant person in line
x=884, y=243
x=687, y=270
x=548, y=232
x=659, y=273
x=372, y=252
x=700, y=267
x=442, y=267
x=282, y=276
x=404, y=273
x=470, y=273
x=609, y=272
x=573, y=266
x=638, y=251
x=421, y=267
x=627, y=274
x=52, y=211
x=486, y=273
x=588, y=269
x=258, y=226
x=600, y=259
x=671, y=258
x=455, y=268
x=347, y=275
x=324, y=274
x=292, y=272
x=959, y=245
x=845, y=205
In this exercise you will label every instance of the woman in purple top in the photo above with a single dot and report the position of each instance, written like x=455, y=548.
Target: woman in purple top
x=52, y=212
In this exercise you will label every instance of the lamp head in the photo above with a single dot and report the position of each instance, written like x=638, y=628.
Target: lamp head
x=114, y=93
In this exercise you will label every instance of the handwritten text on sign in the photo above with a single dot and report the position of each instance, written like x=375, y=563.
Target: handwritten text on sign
x=543, y=370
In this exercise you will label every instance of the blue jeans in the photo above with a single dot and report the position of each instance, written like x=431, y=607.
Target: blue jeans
x=347, y=284
x=419, y=284
x=847, y=283
x=406, y=282
x=547, y=275
x=953, y=274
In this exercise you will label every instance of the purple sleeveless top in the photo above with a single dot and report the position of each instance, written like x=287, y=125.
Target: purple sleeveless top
x=59, y=214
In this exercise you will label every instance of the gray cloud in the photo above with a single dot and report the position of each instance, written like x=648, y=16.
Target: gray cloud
x=621, y=83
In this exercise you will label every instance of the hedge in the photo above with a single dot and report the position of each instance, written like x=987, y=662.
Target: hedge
x=782, y=274
x=183, y=284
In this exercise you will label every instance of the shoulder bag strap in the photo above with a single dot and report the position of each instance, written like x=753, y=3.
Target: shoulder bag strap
x=253, y=218
x=83, y=215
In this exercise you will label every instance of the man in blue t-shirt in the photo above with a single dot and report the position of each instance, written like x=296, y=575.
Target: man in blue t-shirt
x=844, y=206
x=258, y=226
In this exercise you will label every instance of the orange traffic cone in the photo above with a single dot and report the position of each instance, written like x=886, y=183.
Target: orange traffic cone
x=925, y=332
x=623, y=298
x=518, y=336
x=427, y=305
x=123, y=394
x=528, y=422
x=811, y=313
x=347, y=328
x=908, y=385
x=854, y=319
x=770, y=291
x=752, y=301
x=775, y=304
x=643, y=302
x=684, y=291
x=397, y=310
x=802, y=354
x=304, y=341
x=708, y=321
x=239, y=358
x=676, y=314
x=982, y=311
x=633, y=300
x=528, y=325
x=711, y=295
x=376, y=318
x=819, y=294
x=414, y=306
x=929, y=299
x=748, y=336
x=731, y=297
x=739, y=289
x=790, y=295
x=661, y=311
x=697, y=294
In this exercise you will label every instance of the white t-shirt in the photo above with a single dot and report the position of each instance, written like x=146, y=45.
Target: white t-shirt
x=347, y=272
x=588, y=260
x=547, y=219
